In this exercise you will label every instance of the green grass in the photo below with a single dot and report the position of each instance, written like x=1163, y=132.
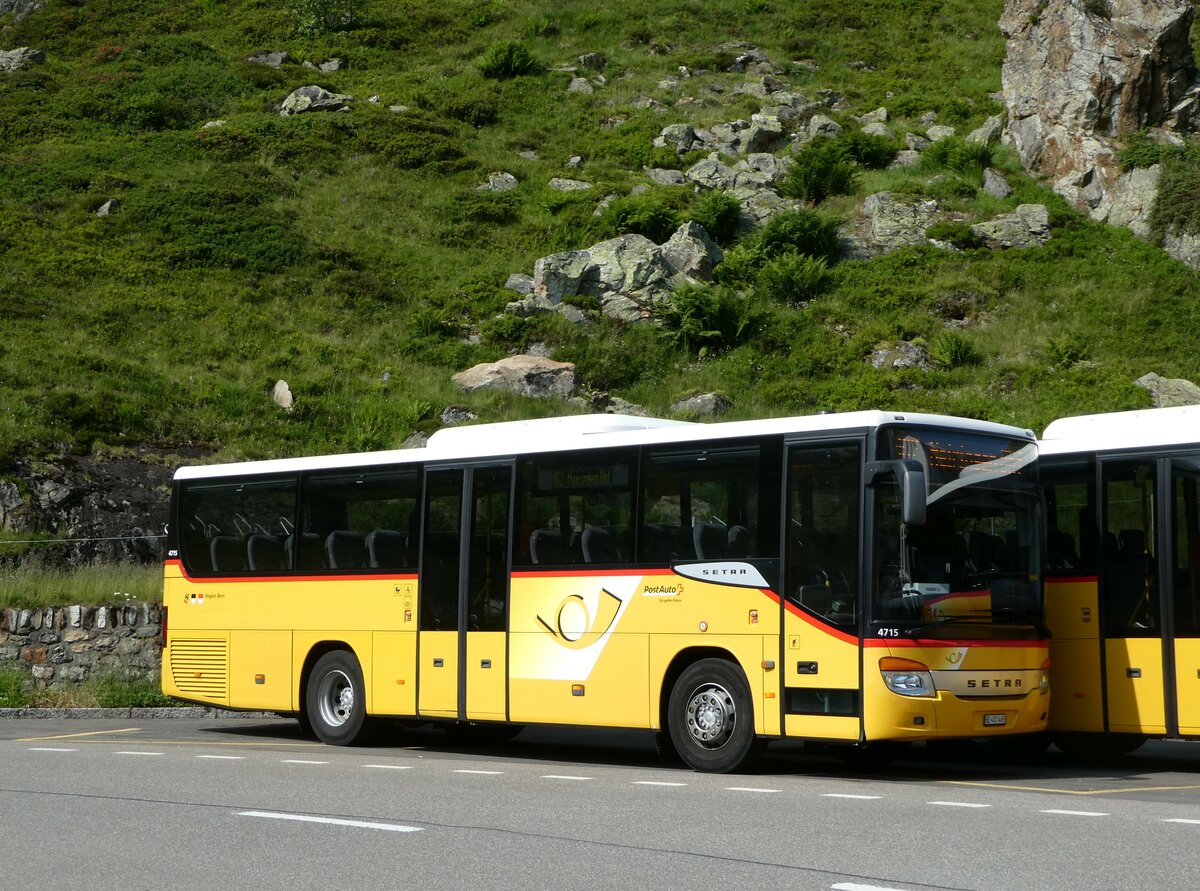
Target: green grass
x=30, y=584
x=351, y=255
x=103, y=692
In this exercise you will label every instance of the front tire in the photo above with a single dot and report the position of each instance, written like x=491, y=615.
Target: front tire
x=335, y=700
x=711, y=719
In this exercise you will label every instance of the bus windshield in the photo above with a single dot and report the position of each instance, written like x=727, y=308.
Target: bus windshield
x=976, y=559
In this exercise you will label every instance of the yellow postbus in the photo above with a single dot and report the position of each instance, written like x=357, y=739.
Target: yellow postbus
x=1122, y=577
x=856, y=579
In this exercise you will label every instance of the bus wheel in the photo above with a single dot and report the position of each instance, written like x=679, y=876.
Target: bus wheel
x=335, y=702
x=711, y=720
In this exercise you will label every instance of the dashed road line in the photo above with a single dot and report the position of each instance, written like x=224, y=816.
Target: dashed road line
x=488, y=773
x=50, y=749
x=152, y=754
x=389, y=766
x=749, y=789
x=854, y=797
x=558, y=776
x=854, y=886
x=300, y=761
x=654, y=783
x=222, y=757
x=957, y=804
x=1017, y=787
x=1077, y=813
x=330, y=821
x=1180, y=820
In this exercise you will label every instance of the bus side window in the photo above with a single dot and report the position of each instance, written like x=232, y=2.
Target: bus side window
x=359, y=520
x=574, y=510
x=236, y=526
x=701, y=504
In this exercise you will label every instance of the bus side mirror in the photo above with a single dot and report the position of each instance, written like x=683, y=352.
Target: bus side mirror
x=911, y=477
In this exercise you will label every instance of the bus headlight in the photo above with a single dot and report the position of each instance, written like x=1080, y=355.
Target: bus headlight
x=906, y=677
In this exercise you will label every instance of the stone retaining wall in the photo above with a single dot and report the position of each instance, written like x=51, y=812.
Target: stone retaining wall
x=63, y=646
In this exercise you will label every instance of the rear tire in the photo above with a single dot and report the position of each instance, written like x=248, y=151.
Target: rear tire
x=335, y=700
x=711, y=719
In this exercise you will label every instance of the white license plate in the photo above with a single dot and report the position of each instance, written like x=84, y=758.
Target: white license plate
x=995, y=720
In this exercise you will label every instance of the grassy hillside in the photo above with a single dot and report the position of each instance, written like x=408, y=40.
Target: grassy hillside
x=351, y=255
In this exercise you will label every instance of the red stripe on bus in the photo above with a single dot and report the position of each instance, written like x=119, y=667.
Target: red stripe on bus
x=579, y=573
x=975, y=643
x=823, y=627
x=223, y=579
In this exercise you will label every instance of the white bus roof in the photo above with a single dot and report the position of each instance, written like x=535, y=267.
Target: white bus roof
x=1120, y=430
x=577, y=432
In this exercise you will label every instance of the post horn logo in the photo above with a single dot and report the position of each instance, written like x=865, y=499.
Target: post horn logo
x=574, y=627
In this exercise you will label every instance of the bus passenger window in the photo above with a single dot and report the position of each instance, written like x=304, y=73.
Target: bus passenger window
x=575, y=509
x=700, y=504
x=359, y=520
x=236, y=526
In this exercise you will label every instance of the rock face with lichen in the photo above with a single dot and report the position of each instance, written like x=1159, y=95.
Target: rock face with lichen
x=1081, y=76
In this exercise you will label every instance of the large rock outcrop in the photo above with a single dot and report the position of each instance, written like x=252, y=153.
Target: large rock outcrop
x=1080, y=77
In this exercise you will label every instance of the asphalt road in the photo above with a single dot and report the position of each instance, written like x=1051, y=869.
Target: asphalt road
x=250, y=804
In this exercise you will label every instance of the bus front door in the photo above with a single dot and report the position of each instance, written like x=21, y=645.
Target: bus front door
x=464, y=594
x=1135, y=673
x=1184, y=585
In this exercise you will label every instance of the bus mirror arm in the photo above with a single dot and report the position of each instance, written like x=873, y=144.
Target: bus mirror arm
x=911, y=476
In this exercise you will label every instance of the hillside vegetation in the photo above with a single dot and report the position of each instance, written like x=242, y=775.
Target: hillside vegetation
x=351, y=254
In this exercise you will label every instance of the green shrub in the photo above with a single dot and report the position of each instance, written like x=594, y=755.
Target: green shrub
x=505, y=330
x=953, y=349
x=409, y=141
x=220, y=220
x=702, y=318
x=741, y=265
x=1065, y=350
x=12, y=693
x=800, y=231
x=1143, y=151
x=821, y=169
x=719, y=212
x=867, y=150
x=643, y=214
x=793, y=278
x=960, y=155
x=958, y=234
x=1177, y=204
x=324, y=16
x=507, y=60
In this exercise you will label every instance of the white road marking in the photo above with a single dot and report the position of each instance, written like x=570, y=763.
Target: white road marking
x=300, y=761
x=331, y=821
x=748, y=789
x=138, y=753
x=1077, y=813
x=389, y=766
x=556, y=776
x=223, y=757
x=655, y=783
x=957, y=804
x=50, y=749
x=1190, y=822
x=853, y=886
x=482, y=772
x=855, y=797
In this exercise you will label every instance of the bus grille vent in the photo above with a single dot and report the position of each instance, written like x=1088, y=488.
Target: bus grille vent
x=200, y=667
